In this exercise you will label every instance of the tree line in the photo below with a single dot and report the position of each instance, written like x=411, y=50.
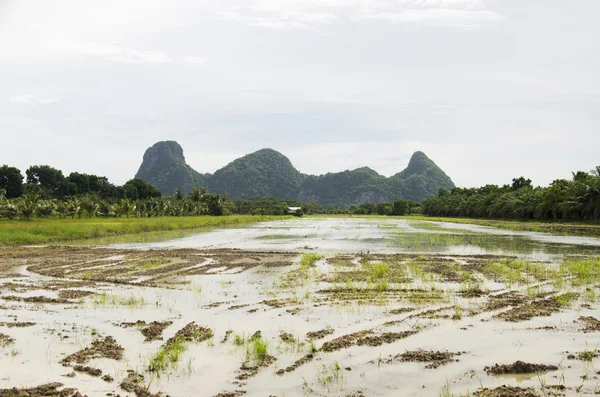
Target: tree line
x=577, y=199
x=45, y=192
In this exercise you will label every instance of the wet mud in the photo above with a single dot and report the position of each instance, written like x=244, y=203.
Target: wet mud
x=519, y=367
x=328, y=329
x=101, y=348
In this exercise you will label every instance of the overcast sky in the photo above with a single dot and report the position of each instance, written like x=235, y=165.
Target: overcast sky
x=488, y=89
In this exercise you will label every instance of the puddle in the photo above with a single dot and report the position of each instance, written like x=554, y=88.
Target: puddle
x=337, y=235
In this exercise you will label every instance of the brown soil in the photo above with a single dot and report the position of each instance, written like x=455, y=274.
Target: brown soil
x=401, y=310
x=108, y=378
x=5, y=340
x=386, y=337
x=227, y=335
x=236, y=393
x=287, y=337
x=506, y=391
x=584, y=356
x=154, y=330
x=434, y=358
x=529, y=310
x=250, y=371
x=74, y=294
x=319, y=334
x=36, y=299
x=98, y=264
x=277, y=303
x=590, y=323
x=88, y=370
x=107, y=348
x=306, y=359
x=134, y=383
x=235, y=307
x=192, y=333
x=17, y=324
x=344, y=342
x=49, y=389
x=519, y=367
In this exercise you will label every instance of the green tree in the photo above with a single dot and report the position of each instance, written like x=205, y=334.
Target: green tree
x=11, y=180
x=139, y=189
x=401, y=207
x=45, y=177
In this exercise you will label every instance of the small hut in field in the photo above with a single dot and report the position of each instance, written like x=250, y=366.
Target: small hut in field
x=296, y=211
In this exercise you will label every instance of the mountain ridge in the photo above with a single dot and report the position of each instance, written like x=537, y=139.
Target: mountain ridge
x=269, y=173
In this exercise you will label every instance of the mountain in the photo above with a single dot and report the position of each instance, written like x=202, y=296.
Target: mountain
x=268, y=173
x=164, y=166
x=265, y=173
x=422, y=178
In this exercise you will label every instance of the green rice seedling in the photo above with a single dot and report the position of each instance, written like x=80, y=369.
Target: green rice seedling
x=330, y=374
x=150, y=265
x=458, y=312
x=469, y=289
x=106, y=299
x=588, y=355
x=382, y=286
x=167, y=355
x=590, y=295
x=377, y=271
x=308, y=260
x=566, y=299
x=239, y=339
x=259, y=350
x=583, y=271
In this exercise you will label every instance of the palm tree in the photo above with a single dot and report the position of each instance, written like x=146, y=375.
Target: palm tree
x=126, y=207
x=28, y=204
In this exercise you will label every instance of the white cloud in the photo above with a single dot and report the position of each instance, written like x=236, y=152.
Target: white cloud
x=115, y=53
x=30, y=99
x=292, y=14
x=194, y=60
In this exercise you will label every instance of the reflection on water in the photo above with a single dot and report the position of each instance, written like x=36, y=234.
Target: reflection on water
x=469, y=242
x=334, y=235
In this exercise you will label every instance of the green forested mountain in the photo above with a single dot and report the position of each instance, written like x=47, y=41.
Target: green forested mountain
x=265, y=173
x=164, y=166
x=268, y=173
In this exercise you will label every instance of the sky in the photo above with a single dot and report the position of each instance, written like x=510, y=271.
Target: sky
x=488, y=89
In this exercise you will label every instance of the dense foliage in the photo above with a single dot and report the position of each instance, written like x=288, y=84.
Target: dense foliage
x=164, y=166
x=575, y=199
x=265, y=173
x=268, y=173
x=48, y=193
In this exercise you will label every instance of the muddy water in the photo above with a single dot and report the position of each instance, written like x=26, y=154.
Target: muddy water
x=225, y=299
x=336, y=235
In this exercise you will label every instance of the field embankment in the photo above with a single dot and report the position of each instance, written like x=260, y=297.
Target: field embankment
x=591, y=229
x=45, y=231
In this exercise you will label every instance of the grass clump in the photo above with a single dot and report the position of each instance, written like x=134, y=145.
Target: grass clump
x=260, y=350
x=582, y=271
x=167, y=355
x=105, y=299
x=257, y=350
x=308, y=260
x=516, y=271
x=377, y=271
x=239, y=339
x=566, y=299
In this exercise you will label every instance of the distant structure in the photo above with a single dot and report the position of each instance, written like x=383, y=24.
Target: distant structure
x=296, y=211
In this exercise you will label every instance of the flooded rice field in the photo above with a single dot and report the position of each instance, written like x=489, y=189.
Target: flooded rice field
x=305, y=307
